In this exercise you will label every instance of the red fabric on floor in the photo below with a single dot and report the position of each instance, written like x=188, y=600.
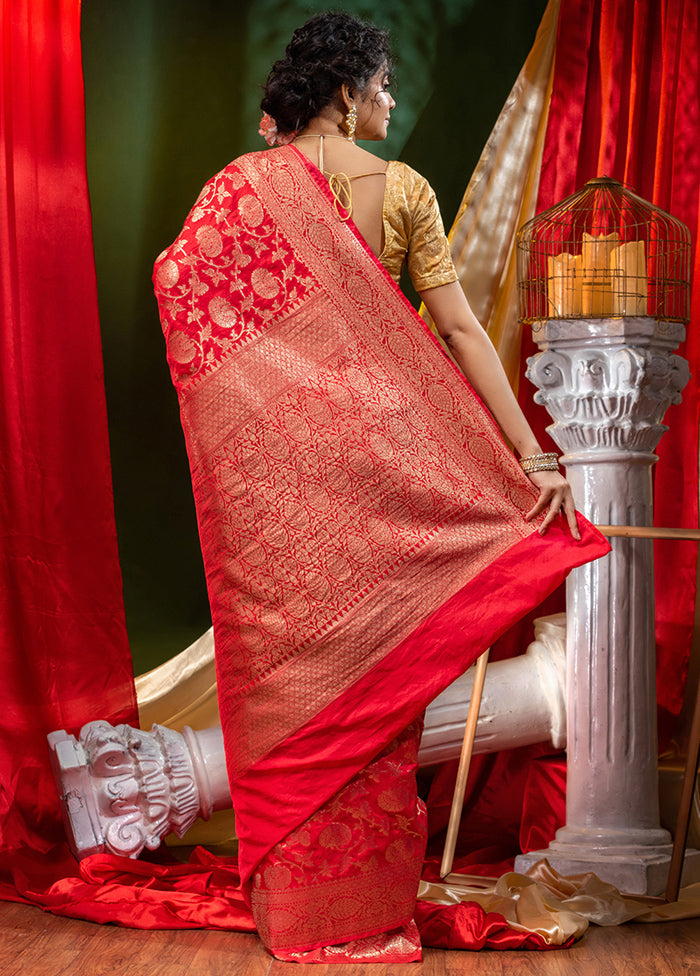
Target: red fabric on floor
x=468, y=926
x=204, y=893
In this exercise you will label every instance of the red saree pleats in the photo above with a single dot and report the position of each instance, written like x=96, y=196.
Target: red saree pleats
x=347, y=877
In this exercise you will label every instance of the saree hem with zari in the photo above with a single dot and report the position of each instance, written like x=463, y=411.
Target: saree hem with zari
x=351, y=871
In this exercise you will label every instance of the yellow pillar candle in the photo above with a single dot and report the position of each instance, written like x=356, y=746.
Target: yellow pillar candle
x=628, y=272
x=564, y=284
x=596, y=285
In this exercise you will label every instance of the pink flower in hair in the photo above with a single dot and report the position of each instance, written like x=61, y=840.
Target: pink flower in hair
x=268, y=130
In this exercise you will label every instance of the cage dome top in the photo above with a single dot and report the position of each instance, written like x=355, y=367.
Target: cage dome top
x=601, y=252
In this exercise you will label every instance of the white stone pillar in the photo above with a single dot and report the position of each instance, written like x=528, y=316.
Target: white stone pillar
x=607, y=384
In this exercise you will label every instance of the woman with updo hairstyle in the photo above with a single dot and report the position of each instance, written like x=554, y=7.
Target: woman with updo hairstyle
x=366, y=532
x=328, y=51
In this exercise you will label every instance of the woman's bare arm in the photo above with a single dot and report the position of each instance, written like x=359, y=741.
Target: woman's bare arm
x=476, y=357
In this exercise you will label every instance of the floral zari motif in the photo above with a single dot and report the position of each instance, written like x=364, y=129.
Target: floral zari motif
x=353, y=866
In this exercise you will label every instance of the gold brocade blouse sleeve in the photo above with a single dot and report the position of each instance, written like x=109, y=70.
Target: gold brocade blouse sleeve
x=413, y=230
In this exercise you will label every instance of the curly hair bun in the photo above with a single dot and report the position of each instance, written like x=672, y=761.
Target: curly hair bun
x=328, y=50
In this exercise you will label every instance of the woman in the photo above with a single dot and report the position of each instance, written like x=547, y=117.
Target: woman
x=365, y=531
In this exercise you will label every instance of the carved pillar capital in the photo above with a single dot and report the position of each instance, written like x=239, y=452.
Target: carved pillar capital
x=607, y=383
x=124, y=789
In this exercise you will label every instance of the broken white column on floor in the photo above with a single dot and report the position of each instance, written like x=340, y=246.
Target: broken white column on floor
x=123, y=789
x=523, y=701
x=607, y=384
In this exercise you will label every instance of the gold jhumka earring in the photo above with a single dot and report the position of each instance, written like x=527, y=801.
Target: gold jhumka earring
x=351, y=122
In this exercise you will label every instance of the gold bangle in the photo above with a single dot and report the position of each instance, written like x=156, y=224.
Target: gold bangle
x=539, y=462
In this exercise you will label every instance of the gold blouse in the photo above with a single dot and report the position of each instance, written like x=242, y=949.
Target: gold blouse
x=413, y=230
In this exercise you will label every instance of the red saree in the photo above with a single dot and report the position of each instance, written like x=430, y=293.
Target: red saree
x=361, y=524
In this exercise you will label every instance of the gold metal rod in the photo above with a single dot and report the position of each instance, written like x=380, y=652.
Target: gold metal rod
x=648, y=532
x=465, y=759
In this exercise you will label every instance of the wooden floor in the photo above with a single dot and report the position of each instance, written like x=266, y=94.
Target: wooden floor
x=33, y=943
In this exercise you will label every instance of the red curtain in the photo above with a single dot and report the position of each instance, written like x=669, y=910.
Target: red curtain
x=65, y=658
x=626, y=104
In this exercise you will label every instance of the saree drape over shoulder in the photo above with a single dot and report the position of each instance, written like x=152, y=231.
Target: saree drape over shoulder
x=362, y=524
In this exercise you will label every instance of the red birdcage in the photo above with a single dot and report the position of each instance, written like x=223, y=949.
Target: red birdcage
x=602, y=252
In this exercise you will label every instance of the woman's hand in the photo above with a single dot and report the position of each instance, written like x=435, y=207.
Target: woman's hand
x=556, y=496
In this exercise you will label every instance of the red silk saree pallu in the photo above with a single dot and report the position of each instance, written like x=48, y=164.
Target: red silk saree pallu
x=361, y=521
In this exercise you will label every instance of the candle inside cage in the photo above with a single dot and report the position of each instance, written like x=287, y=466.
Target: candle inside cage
x=628, y=271
x=564, y=284
x=603, y=252
x=597, y=285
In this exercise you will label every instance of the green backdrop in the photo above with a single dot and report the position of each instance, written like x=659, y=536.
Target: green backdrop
x=172, y=91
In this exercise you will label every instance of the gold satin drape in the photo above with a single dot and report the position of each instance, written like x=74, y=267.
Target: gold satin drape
x=501, y=196
x=557, y=908
x=182, y=691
